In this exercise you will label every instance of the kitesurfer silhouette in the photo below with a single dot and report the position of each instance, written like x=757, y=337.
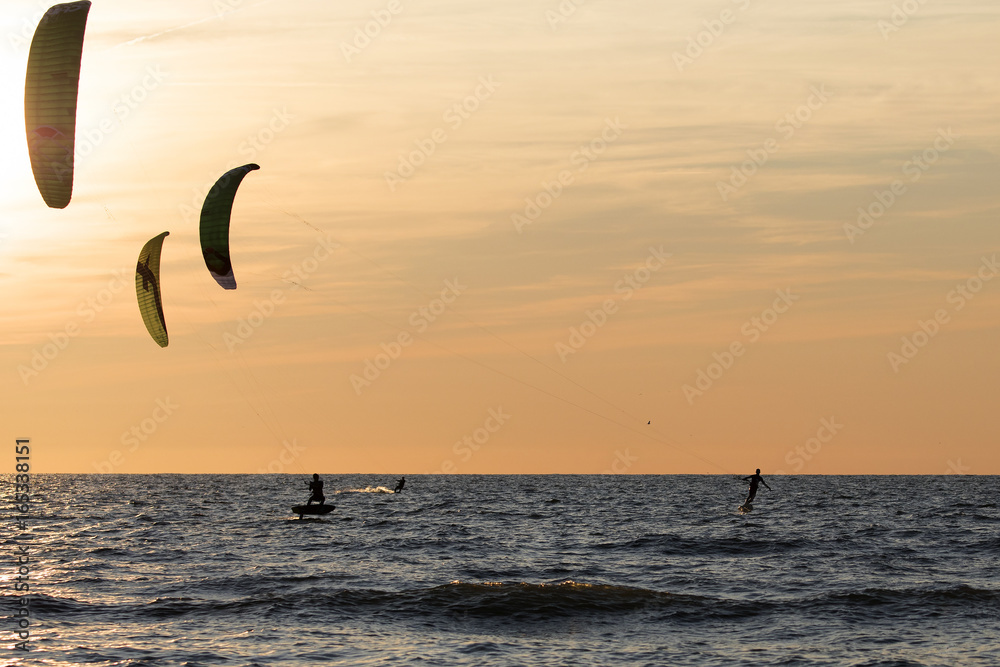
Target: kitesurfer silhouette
x=316, y=486
x=754, y=479
x=399, y=485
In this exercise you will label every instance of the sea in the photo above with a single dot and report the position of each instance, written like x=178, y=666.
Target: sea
x=503, y=570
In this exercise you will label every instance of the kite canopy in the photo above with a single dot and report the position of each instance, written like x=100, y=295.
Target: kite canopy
x=215, y=216
x=50, y=92
x=147, y=289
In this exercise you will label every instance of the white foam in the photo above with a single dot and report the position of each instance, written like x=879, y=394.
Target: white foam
x=368, y=489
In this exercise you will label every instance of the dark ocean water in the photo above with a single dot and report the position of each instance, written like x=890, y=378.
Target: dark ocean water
x=508, y=570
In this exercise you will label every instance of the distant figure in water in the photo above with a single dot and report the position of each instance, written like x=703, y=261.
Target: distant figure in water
x=399, y=485
x=316, y=486
x=755, y=480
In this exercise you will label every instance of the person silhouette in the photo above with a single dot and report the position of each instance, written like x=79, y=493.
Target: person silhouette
x=754, y=479
x=399, y=485
x=316, y=486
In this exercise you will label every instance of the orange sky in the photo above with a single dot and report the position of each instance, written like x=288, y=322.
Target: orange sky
x=527, y=223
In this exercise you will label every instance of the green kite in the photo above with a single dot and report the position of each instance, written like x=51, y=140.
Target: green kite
x=50, y=91
x=215, y=217
x=147, y=289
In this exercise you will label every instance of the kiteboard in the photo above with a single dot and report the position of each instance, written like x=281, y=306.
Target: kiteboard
x=745, y=509
x=312, y=509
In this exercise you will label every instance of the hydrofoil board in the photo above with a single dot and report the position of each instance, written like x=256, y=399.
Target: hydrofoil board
x=312, y=509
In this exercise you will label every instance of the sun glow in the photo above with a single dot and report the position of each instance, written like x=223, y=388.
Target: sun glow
x=15, y=169
x=172, y=96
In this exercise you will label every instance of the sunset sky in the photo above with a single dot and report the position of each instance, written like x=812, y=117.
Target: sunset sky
x=554, y=221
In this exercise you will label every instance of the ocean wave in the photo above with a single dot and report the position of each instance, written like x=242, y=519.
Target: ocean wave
x=486, y=599
x=520, y=603
x=879, y=603
x=503, y=600
x=608, y=576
